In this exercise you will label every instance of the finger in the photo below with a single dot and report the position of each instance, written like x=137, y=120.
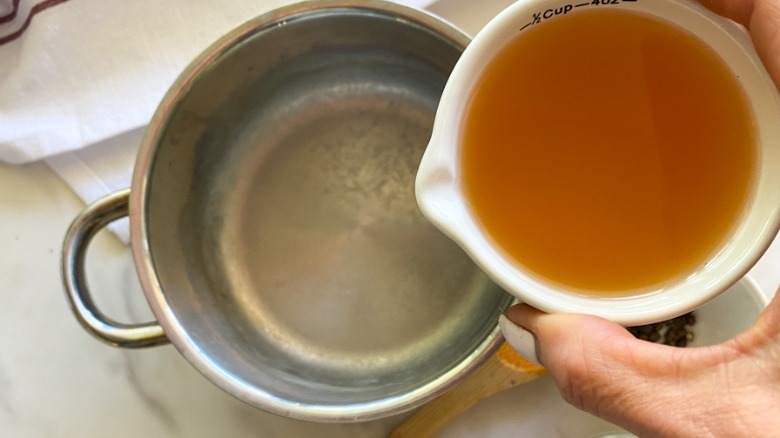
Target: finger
x=762, y=19
x=737, y=10
x=601, y=368
x=560, y=334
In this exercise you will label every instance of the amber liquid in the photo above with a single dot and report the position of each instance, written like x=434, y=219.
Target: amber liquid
x=608, y=152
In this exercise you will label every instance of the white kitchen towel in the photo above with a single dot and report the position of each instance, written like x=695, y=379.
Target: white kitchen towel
x=80, y=79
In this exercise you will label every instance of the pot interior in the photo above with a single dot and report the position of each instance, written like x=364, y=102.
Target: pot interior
x=295, y=269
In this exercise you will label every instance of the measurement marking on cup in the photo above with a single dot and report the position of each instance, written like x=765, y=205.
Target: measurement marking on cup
x=538, y=17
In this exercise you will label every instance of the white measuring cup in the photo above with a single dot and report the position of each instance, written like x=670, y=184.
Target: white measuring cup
x=441, y=197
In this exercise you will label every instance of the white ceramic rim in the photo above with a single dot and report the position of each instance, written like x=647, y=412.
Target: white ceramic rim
x=438, y=181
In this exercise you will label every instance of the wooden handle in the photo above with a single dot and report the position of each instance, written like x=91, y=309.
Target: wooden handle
x=501, y=371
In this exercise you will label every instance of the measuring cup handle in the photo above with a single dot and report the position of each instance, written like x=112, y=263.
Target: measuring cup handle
x=91, y=220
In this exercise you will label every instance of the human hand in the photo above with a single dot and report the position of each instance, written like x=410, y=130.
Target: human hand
x=730, y=389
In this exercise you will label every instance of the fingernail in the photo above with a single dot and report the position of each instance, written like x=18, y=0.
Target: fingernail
x=519, y=338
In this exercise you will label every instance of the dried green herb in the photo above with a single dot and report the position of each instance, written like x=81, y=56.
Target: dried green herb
x=677, y=332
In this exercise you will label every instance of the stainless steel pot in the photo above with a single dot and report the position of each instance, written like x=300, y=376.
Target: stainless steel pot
x=274, y=226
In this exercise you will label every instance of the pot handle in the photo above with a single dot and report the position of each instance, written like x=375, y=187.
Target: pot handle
x=91, y=220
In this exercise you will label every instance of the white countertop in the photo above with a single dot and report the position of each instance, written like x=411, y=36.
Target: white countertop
x=58, y=381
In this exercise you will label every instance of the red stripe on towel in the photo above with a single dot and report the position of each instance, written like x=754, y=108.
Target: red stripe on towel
x=11, y=15
x=35, y=9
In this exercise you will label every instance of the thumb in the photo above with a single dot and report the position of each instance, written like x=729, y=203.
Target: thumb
x=552, y=339
x=599, y=366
